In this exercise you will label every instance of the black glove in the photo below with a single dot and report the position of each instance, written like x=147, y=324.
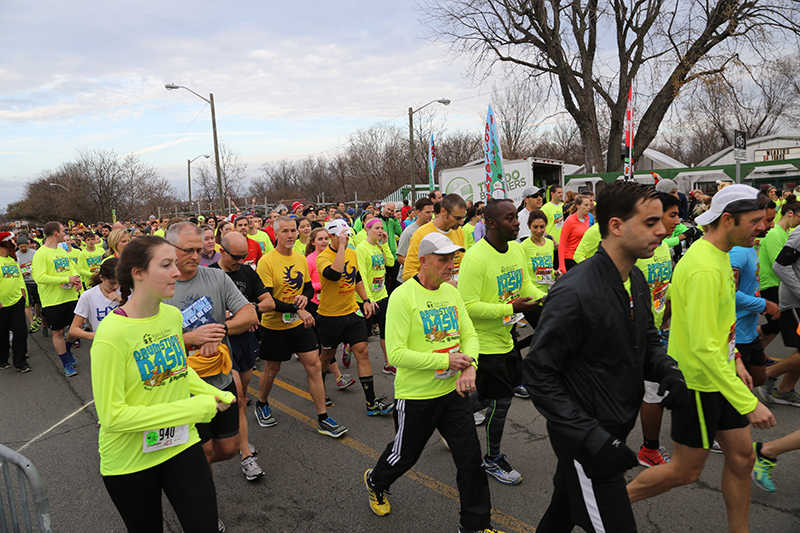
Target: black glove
x=678, y=393
x=613, y=458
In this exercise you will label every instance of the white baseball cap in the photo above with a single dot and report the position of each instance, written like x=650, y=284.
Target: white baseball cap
x=735, y=198
x=338, y=227
x=436, y=243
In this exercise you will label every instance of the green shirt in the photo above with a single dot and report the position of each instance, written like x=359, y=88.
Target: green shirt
x=489, y=281
x=702, y=334
x=11, y=284
x=589, y=243
x=422, y=328
x=89, y=263
x=771, y=246
x=657, y=271
x=555, y=219
x=469, y=235
x=539, y=263
x=265, y=243
x=51, y=272
x=141, y=383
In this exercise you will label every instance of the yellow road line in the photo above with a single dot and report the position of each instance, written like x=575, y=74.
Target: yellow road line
x=501, y=518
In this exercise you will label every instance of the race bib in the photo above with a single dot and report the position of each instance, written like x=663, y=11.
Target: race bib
x=377, y=284
x=289, y=318
x=512, y=319
x=158, y=439
x=66, y=286
x=660, y=298
x=446, y=373
x=559, y=222
x=544, y=275
x=732, y=343
x=359, y=313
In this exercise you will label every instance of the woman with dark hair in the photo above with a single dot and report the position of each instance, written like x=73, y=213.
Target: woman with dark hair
x=148, y=399
x=572, y=232
x=97, y=302
x=223, y=228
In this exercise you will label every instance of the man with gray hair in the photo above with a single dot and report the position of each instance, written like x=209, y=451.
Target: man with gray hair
x=203, y=296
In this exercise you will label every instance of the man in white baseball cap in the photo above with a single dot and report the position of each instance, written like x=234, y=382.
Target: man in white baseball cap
x=532, y=198
x=703, y=342
x=431, y=340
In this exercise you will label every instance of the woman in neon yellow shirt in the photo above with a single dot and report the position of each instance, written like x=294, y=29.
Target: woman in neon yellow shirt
x=148, y=399
x=303, y=233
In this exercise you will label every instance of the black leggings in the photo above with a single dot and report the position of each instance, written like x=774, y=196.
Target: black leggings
x=187, y=482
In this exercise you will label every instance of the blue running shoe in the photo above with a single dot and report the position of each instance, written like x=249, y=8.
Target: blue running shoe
x=70, y=371
x=264, y=416
x=331, y=428
x=762, y=471
x=379, y=407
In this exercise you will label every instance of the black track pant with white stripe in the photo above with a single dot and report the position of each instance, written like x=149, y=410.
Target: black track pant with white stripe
x=415, y=421
x=597, y=505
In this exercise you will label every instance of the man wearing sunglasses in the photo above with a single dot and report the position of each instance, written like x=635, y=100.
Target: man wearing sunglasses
x=448, y=223
x=531, y=199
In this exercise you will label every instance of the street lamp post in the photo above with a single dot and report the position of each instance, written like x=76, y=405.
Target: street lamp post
x=189, y=171
x=411, y=112
x=209, y=101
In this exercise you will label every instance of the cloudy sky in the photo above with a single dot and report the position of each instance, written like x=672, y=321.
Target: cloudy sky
x=289, y=79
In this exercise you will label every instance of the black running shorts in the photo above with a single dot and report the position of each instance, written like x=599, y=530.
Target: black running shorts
x=279, y=344
x=688, y=427
x=60, y=316
x=224, y=425
x=334, y=330
x=498, y=374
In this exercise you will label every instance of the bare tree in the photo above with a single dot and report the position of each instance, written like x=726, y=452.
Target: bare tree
x=755, y=100
x=234, y=177
x=666, y=43
x=98, y=183
x=518, y=106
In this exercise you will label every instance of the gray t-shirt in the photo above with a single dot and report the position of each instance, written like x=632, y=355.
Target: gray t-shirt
x=204, y=300
x=25, y=262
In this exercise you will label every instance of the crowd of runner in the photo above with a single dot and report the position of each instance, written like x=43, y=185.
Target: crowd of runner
x=641, y=299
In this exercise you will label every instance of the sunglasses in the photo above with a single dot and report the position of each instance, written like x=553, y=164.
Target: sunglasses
x=189, y=251
x=234, y=256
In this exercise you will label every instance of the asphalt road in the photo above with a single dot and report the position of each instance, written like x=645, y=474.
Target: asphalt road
x=314, y=483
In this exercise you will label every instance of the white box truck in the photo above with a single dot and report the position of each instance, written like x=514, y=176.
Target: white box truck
x=469, y=181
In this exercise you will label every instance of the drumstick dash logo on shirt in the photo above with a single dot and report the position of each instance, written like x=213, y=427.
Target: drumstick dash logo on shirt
x=161, y=360
x=295, y=282
x=440, y=323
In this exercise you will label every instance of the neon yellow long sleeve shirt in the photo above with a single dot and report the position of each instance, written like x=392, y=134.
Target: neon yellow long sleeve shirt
x=142, y=384
x=489, y=282
x=702, y=335
x=422, y=327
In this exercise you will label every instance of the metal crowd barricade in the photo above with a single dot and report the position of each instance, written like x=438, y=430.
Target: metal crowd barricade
x=9, y=506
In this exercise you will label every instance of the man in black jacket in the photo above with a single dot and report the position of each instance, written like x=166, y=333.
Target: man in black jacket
x=594, y=346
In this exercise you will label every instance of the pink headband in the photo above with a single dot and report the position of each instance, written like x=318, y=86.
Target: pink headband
x=372, y=223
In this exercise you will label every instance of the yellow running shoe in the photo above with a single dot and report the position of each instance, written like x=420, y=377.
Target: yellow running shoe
x=377, y=501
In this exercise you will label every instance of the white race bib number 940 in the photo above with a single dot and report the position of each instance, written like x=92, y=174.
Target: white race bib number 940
x=158, y=439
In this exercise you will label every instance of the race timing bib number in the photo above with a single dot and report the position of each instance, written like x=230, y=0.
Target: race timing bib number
x=732, y=343
x=544, y=275
x=446, y=373
x=158, y=439
x=660, y=298
x=377, y=284
x=288, y=318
